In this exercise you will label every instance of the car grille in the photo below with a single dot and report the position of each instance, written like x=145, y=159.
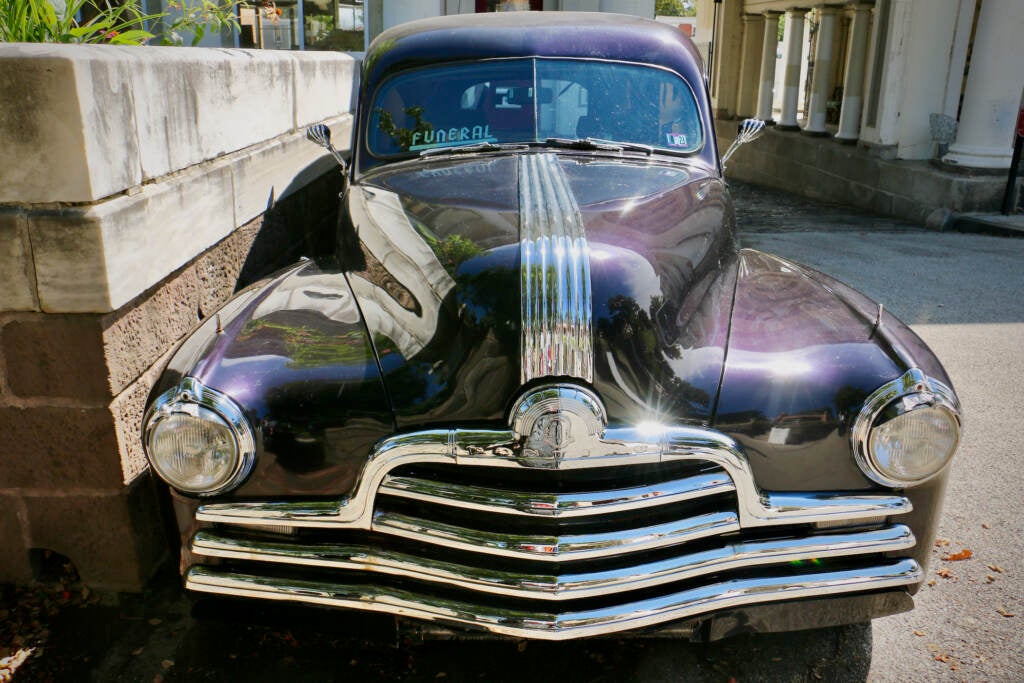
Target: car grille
x=554, y=554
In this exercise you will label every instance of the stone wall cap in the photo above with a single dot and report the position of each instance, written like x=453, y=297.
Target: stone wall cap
x=96, y=120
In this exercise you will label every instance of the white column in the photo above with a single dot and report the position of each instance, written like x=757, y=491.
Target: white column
x=821, y=80
x=396, y=13
x=984, y=136
x=768, y=49
x=750, y=64
x=794, y=40
x=853, y=84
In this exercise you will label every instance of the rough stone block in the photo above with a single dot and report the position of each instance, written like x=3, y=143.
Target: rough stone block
x=116, y=541
x=17, y=274
x=128, y=410
x=14, y=561
x=980, y=194
x=56, y=356
x=892, y=176
x=911, y=210
x=97, y=258
x=927, y=186
x=52, y=448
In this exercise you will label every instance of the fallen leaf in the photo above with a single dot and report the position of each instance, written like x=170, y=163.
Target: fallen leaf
x=155, y=621
x=964, y=554
x=944, y=573
x=931, y=582
x=990, y=579
x=941, y=543
x=986, y=525
x=919, y=633
x=932, y=647
x=167, y=663
x=137, y=651
x=441, y=674
x=943, y=657
x=1002, y=611
x=995, y=568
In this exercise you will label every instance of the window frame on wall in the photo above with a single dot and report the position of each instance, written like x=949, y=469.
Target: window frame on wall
x=484, y=6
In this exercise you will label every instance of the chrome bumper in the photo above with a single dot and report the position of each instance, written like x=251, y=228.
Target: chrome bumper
x=558, y=626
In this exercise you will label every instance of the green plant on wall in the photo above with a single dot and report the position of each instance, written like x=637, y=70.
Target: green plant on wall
x=196, y=17
x=39, y=21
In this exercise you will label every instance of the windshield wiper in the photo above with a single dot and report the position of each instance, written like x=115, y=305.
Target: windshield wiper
x=471, y=147
x=598, y=144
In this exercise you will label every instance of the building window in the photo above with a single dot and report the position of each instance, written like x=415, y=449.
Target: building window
x=508, y=5
x=333, y=25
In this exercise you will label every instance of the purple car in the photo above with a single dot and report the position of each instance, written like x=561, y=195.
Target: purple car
x=537, y=391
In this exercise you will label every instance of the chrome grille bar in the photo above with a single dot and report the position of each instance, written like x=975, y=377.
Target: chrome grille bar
x=563, y=586
x=555, y=548
x=552, y=626
x=558, y=505
x=619, y=447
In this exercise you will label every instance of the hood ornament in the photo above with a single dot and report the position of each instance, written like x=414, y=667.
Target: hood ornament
x=555, y=422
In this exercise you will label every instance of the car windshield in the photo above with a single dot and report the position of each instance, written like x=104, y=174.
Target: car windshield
x=533, y=101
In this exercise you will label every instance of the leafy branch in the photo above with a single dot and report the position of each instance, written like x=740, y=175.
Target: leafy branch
x=38, y=21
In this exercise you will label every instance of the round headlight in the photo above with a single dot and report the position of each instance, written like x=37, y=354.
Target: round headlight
x=913, y=446
x=197, y=441
x=907, y=431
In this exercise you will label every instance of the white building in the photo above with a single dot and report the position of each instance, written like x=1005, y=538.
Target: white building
x=936, y=81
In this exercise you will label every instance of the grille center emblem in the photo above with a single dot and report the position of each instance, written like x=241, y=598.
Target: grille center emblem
x=557, y=423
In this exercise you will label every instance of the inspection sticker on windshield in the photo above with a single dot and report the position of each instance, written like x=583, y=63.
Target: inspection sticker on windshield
x=676, y=139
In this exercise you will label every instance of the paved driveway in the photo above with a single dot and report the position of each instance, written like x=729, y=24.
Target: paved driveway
x=964, y=295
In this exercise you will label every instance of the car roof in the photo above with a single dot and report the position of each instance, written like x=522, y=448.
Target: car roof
x=494, y=35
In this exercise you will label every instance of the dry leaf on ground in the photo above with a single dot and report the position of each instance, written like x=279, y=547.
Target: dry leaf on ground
x=964, y=554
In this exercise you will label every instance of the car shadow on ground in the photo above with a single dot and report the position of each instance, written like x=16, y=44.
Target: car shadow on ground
x=160, y=636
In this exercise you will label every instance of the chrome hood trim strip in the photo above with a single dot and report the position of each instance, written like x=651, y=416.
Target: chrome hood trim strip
x=555, y=274
x=559, y=626
x=556, y=586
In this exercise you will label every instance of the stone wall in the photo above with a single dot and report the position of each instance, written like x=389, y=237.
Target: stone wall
x=821, y=168
x=140, y=187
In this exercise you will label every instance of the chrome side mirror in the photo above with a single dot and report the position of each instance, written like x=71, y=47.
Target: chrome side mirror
x=749, y=131
x=320, y=134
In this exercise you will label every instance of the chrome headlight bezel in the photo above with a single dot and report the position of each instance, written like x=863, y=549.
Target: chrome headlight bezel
x=192, y=397
x=913, y=391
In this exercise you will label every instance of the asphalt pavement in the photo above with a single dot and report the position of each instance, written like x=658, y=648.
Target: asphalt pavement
x=963, y=293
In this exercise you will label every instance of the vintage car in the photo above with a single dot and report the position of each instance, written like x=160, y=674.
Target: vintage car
x=538, y=391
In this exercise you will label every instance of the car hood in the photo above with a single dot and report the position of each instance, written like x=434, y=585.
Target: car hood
x=435, y=258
